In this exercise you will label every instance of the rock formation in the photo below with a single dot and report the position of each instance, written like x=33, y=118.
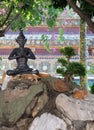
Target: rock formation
x=47, y=104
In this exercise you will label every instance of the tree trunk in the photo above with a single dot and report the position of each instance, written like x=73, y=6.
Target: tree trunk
x=69, y=80
x=83, y=49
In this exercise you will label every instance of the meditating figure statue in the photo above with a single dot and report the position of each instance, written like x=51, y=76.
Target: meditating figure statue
x=22, y=54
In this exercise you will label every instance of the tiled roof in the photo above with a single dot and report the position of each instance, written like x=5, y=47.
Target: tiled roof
x=44, y=30
x=45, y=52
x=5, y=51
x=42, y=52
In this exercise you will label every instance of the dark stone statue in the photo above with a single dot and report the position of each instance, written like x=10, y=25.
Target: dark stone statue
x=22, y=54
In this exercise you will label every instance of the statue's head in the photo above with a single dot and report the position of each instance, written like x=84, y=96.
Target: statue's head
x=21, y=40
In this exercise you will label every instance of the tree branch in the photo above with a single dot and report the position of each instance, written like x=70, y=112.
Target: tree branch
x=3, y=31
x=90, y=2
x=82, y=15
x=15, y=18
x=8, y=15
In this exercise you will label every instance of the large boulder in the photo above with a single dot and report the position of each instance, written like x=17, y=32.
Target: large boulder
x=15, y=102
x=71, y=114
x=48, y=121
x=78, y=114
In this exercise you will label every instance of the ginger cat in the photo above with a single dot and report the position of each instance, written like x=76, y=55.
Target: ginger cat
x=43, y=75
x=27, y=76
x=80, y=94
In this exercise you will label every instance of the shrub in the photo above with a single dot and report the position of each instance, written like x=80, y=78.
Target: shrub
x=68, y=68
x=92, y=89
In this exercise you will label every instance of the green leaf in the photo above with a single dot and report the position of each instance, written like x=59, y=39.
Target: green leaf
x=63, y=61
x=61, y=31
x=0, y=59
x=44, y=38
x=61, y=37
x=51, y=23
x=47, y=45
x=60, y=71
x=76, y=68
x=67, y=51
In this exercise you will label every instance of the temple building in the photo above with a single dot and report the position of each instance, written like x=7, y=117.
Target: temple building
x=46, y=61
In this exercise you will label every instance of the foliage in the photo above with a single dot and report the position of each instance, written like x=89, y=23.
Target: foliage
x=17, y=14
x=67, y=51
x=46, y=43
x=61, y=37
x=92, y=89
x=75, y=68
x=45, y=39
x=70, y=68
x=0, y=59
x=59, y=3
x=84, y=8
x=91, y=70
